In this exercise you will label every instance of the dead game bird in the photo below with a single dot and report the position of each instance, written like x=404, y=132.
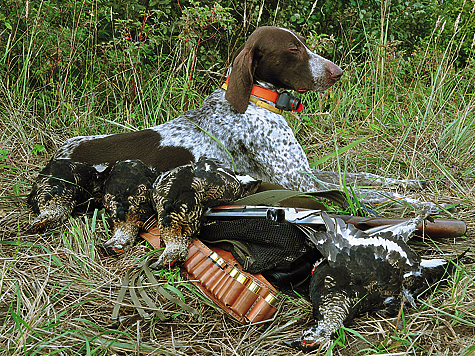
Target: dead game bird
x=364, y=271
x=128, y=201
x=62, y=186
x=182, y=195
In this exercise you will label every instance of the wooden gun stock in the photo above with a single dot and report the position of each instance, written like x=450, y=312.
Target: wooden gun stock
x=435, y=229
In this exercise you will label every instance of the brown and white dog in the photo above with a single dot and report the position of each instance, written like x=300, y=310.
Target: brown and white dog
x=260, y=141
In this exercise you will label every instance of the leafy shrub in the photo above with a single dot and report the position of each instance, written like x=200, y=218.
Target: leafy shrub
x=354, y=23
x=458, y=18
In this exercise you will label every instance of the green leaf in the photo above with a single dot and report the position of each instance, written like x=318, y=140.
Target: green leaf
x=37, y=149
x=174, y=290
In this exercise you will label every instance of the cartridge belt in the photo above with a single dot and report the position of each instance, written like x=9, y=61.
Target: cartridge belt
x=249, y=298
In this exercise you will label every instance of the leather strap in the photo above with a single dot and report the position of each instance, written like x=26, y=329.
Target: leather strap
x=134, y=284
x=248, y=298
x=152, y=235
x=265, y=105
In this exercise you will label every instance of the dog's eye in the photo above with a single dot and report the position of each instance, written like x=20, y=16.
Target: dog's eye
x=293, y=50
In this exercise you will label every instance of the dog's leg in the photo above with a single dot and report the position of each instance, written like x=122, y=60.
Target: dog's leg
x=372, y=197
x=368, y=180
x=288, y=172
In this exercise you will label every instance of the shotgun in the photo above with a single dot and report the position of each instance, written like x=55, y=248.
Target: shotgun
x=433, y=229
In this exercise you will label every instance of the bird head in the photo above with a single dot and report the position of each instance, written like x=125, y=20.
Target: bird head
x=316, y=337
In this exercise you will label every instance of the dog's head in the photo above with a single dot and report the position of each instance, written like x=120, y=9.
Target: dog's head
x=280, y=57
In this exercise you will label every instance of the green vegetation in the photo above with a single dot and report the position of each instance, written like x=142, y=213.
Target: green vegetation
x=405, y=108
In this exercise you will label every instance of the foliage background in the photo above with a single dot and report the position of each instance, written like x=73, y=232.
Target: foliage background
x=116, y=57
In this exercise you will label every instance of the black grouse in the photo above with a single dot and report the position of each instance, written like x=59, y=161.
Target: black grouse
x=62, y=186
x=128, y=201
x=364, y=271
x=182, y=195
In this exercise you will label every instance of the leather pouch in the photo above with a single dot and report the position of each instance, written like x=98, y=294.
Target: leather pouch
x=249, y=298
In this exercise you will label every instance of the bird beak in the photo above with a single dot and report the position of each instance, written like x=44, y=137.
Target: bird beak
x=299, y=344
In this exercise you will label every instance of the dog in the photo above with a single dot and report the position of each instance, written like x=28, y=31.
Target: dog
x=233, y=129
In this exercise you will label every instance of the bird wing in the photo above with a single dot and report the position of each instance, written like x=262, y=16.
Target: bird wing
x=343, y=239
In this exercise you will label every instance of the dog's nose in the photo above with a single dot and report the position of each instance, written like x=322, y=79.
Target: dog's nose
x=335, y=71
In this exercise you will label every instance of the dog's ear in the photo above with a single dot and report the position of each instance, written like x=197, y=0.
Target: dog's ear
x=241, y=79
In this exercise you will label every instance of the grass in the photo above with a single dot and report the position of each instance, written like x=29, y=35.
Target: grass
x=398, y=115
